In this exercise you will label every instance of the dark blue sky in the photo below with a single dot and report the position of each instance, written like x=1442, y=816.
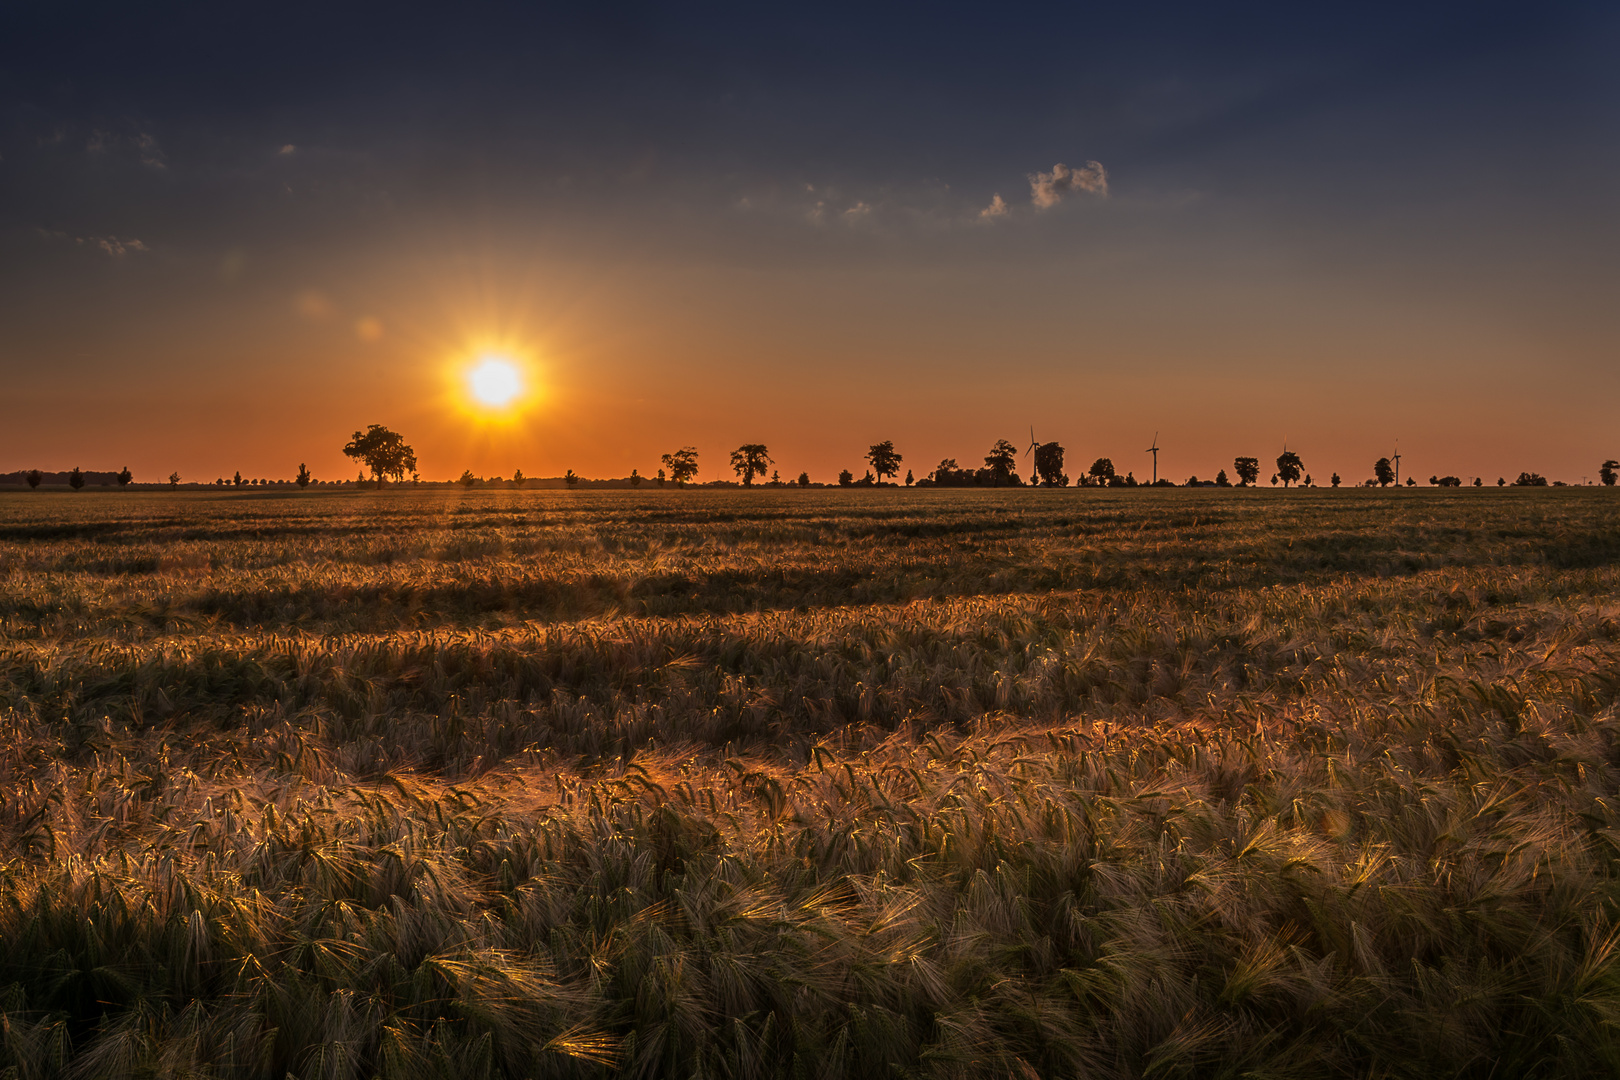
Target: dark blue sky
x=1335, y=201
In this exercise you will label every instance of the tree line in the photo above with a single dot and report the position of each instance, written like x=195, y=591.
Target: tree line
x=389, y=457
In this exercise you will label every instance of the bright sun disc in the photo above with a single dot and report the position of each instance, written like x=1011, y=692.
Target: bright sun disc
x=496, y=382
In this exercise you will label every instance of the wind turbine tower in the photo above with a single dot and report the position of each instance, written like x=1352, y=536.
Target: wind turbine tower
x=1154, y=450
x=1397, y=463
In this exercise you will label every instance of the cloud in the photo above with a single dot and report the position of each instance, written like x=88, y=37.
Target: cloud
x=368, y=329
x=1048, y=189
x=145, y=146
x=856, y=212
x=996, y=209
x=288, y=150
x=151, y=153
x=116, y=246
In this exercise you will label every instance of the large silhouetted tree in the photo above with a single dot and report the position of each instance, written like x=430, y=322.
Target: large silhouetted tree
x=1609, y=472
x=33, y=476
x=76, y=478
x=1383, y=472
x=885, y=462
x=174, y=479
x=124, y=476
x=1248, y=470
x=1049, y=465
x=750, y=460
x=384, y=452
x=1289, y=467
x=682, y=465
x=303, y=475
x=1102, y=470
x=1002, y=461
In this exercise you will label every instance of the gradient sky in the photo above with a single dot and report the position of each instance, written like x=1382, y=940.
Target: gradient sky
x=231, y=234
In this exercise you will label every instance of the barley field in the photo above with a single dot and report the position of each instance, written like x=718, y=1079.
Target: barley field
x=1075, y=783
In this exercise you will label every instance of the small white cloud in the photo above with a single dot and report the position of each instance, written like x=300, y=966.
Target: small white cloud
x=1048, y=189
x=856, y=212
x=288, y=151
x=996, y=209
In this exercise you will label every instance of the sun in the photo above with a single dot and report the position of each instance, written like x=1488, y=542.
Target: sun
x=495, y=382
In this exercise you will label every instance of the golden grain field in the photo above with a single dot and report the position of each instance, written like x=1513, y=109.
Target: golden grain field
x=803, y=784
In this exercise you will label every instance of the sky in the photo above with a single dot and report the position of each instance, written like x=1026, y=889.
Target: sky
x=231, y=234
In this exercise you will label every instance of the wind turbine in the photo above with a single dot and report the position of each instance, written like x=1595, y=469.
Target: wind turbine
x=1397, y=463
x=1154, y=450
x=1034, y=444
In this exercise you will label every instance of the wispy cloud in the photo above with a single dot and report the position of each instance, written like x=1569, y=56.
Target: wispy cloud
x=116, y=246
x=996, y=209
x=1047, y=189
x=288, y=150
x=858, y=211
x=145, y=147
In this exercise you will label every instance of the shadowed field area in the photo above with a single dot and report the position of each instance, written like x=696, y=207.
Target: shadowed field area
x=805, y=783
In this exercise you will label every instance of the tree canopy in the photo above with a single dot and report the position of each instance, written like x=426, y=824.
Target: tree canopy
x=1049, y=465
x=885, y=461
x=383, y=451
x=682, y=465
x=1289, y=467
x=750, y=460
x=1248, y=470
x=1383, y=472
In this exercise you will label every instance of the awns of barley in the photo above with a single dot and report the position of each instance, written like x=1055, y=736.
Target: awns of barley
x=1356, y=818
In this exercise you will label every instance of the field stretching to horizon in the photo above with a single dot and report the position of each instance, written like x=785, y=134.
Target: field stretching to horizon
x=1010, y=783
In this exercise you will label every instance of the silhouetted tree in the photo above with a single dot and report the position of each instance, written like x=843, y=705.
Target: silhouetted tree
x=569, y=478
x=682, y=465
x=174, y=479
x=776, y=478
x=1501, y=481
x=635, y=478
x=750, y=460
x=124, y=477
x=1445, y=481
x=1248, y=470
x=885, y=462
x=1002, y=461
x=303, y=475
x=33, y=476
x=909, y=478
x=1334, y=480
x=1383, y=472
x=1102, y=470
x=1049, y=465
x=804, y=479
x=845, y=478
x=660, y=478
x=1609, y=471
x=1273, y=479
x=518, y=478
x=383, y=451
x=236, y=481
x=1530, y=479
x=1289, y=467
x=1479, y=481
x=1222, y=480
x=75, y=479
x=466, y=479
x=945, y=467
